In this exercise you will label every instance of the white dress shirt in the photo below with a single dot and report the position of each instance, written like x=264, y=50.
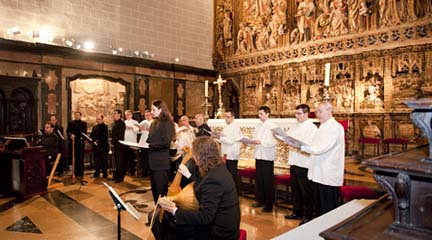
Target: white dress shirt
x=327, y=154
x=267, y=149
x=304, y=132
x=144, y=133
x=230, y=141
x=131, y=134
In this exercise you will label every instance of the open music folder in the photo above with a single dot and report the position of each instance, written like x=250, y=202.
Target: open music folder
x=125, y=206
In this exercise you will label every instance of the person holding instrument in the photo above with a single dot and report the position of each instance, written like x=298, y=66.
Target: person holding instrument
x=218, y=214
x=74, y=130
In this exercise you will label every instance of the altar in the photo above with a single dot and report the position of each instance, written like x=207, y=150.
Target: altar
x=247, y=126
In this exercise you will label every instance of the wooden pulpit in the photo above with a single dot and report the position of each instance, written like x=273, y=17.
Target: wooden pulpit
x=29, y=172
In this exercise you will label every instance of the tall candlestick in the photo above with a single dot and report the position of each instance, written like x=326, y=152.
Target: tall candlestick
x=327, y=75
x=206, y=88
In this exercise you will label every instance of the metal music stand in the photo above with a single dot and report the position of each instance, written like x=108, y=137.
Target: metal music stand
x=120, y=206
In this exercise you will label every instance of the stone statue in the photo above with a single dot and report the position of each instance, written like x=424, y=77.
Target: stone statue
x=371, y=130
x=227, y=29
x=388, y=12
x=262, y=36
x=339, y=22
x=372, y=95
x=322, y=24
x=305, y=19
x=244, y=39
x=353, y=15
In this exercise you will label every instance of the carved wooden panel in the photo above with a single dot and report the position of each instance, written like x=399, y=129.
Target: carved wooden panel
x=141, y=97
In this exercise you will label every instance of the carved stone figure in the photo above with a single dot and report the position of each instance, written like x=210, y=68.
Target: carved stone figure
x=271, y=100
x=372, y=98
x=227, y=29
x=371, y=130
x=305, y=19
x=291, y=98
x=339, y=20
x=353, y=14
x=279, y=17
x=388, y=12
x=322, y=25
x=262, y=37
x=314, y=98
x=244, y=39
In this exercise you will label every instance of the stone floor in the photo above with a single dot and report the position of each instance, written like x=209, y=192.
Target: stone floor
x=74, y=211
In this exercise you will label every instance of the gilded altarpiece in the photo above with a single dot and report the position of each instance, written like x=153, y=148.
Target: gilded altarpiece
x=51, y=92
x=142, y=94
x=380, y=54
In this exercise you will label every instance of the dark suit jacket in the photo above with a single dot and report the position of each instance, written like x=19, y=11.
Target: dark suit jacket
x=99, y=135
x=77, y=128
x=159, y=140
x=219, y=209
x=117, y=133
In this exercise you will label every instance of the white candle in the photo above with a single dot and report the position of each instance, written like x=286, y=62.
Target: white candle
x=206, y=88
x=327, y=75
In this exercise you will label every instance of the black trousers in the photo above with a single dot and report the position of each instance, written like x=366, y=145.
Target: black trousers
x=326, y=197
x=100, y=156
x=159, y=183
x=130, y=157
x=264, y=181
x=302, y=192
x=144, y=160
x=79, y=156
x=120, y=161
x=232, y=168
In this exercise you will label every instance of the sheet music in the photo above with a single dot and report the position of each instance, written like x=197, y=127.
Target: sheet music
x=216, y=134
x=131, y=144
x=184, y=171
x=246, y=140
x=129, y=208
x=292, y=141
x=60, y=135
x=279, y=131
x=87, y=137
x=18, y=138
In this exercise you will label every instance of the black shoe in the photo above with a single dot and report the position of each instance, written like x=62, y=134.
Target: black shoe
x=257, y=205
x=267, y=209
x=305, y=220
x=293, y=216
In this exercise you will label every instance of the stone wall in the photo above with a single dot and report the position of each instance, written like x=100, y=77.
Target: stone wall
x=169, y=29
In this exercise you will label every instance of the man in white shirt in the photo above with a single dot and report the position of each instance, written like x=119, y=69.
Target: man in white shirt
x=301, y=186
x=265, y=152
x=327, y=159
x=230, y=145
x=132, y=129
x=144, y=127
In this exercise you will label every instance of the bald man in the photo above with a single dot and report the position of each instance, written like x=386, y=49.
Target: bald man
x=202, y=128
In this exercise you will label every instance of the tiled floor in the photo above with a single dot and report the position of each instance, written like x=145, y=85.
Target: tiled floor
x=86, y=212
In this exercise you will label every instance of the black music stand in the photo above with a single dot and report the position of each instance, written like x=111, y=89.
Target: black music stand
x=120, y=206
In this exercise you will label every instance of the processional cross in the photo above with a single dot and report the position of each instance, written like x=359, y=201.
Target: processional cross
x=219, y=82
